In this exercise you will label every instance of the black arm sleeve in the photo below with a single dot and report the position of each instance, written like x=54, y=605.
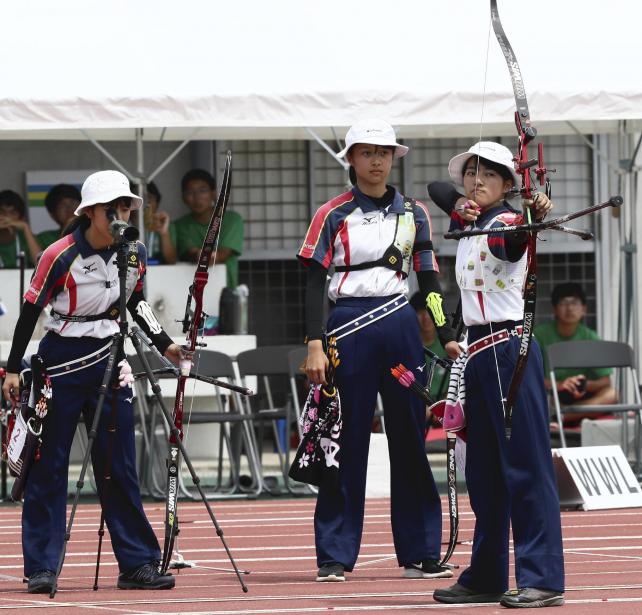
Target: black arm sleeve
x=444, y=194
x=314, y=301
x=22, y=334
x=515, y=244
x=430, y=288
x=142, y=313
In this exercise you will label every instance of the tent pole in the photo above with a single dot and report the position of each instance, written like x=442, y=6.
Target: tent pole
x=171, y=157
x=312, y=183
x=606, y=260
x=141, y=181
x=107, y=154
x=613, y=166
x=327, y=148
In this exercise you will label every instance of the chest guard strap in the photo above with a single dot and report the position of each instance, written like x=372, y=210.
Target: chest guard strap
x=393, y=258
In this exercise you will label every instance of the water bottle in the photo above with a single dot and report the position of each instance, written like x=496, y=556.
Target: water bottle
x=241, y=294
x=233, y=311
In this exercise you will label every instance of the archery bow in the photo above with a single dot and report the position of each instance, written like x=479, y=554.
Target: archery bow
x=191, y=325
x=526, y=133
x=523, y=164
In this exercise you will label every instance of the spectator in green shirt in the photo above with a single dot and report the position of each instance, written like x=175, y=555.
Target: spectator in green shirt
x=15, y=232
x=590, y=387
x=199, y=194
x=161, y=234
x=61, y=202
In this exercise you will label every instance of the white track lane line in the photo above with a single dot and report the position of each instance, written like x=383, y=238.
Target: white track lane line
x=311, y=597
x=591, y=551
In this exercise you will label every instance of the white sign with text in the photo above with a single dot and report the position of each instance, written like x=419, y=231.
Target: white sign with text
x=595, y=477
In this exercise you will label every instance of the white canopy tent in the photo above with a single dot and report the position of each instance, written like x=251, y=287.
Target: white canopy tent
x=249, y=69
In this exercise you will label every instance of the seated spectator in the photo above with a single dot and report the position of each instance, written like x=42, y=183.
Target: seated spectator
x=429, y=338
x=15, y=233
x=590, y=387
x=161, y=237
x=199, y=194
x=61, y=202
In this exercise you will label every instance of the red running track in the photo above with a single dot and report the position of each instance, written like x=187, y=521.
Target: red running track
x=274, y=540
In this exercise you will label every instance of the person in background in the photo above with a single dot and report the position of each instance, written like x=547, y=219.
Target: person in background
x=430, y=340
x=373, y=235
x=61, y=202
x=590, y=387
x=199, y=194
x=161, y=233
x=15, y=232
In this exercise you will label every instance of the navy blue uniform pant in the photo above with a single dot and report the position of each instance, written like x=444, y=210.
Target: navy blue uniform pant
x=366, y=358
x=510, y=482
x=44, y=512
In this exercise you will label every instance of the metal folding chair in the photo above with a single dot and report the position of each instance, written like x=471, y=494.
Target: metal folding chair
x=594, y=354
x=225, y=409
x=236, y=437
x=270, y=365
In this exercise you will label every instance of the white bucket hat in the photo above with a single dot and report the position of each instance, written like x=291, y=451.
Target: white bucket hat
x=373, y=132
x=494, y=152
x=105, y=186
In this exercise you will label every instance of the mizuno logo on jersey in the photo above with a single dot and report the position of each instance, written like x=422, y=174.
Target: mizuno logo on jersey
x=369, y=220
x=89, y=268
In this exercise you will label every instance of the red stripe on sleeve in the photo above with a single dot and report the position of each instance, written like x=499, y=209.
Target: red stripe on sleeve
x=313, y=235
x=425, y=210
x=44, y=268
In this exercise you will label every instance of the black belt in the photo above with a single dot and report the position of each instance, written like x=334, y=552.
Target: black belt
x=110, y=314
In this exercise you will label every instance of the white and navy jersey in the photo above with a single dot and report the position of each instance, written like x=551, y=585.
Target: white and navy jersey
x=77, y=280
x=350, y=229
x=491, y=285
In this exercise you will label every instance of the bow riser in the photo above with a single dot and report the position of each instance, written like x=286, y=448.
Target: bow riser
x=198, y=287
x=178, y=408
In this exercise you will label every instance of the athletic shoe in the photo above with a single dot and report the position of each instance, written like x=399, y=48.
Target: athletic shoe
x=531, y=598
x=41, y=582
x=458, y=594
x=331, y=573
x=145, y=577
x=428, y=569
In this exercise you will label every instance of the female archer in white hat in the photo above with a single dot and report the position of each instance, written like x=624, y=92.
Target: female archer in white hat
x=372, y=235
x=78, y=278
x=510, y=481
